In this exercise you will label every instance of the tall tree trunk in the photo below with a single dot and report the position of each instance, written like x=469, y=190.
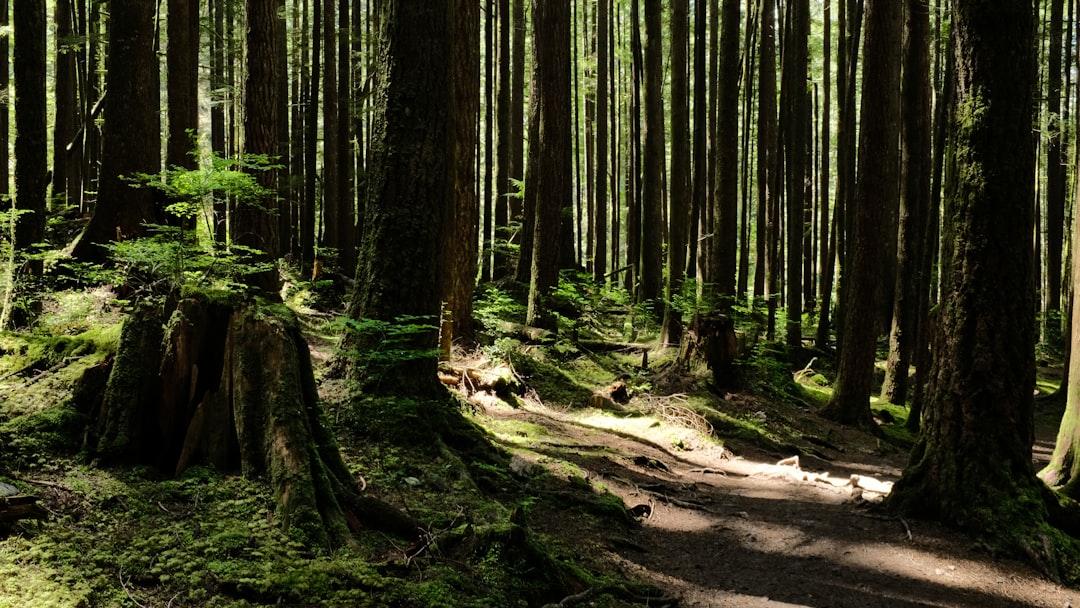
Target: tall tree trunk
x=31, y=165
x=550, y=168
x=875, y=191
x=131, y=133
x=503, y=186
x=518, y=213
x=972, y=462
x=944, y=71
x=914, y=200
x=182, y=63
x=826, y=258
x=346, y=225
x=66, y=170
x=256, y=225
x=851, y=18
x=5, y=95
x=331, y=184
x=603, y=75
x=1063, y=470
x=1055, y=167
x=308, y=215
x=726, y=228
x=489, y=194
x=218, y=99
x=459, y=245
x=796, y=112
x=766, y=162
x=749, y=102
x=634, y=174
x=409, y=186
x=652, y=169
x=699, y=196
x=680, y=193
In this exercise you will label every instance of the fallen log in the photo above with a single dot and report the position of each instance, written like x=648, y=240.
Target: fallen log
x=20, y=506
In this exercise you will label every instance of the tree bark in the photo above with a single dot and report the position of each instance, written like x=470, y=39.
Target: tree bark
x=971, y=466
x=504, y=187
x=31, y=165
x=914, y=201
x=549, y=173
x=131, y=134
x=725, y=231
x=67, y=172
x=877, y=187
x=255, y=222
x=603, y=75
x=1055, y=166
x=409, y=185
x=680, y=193
x=796, y=116
x=652, y=162
x=223, y=385
x=459, y=245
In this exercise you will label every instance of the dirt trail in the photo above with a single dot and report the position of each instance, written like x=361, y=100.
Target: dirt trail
x=736, y=530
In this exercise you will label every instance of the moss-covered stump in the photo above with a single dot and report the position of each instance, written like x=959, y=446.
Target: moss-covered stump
x=231, y=386
x=711, y=340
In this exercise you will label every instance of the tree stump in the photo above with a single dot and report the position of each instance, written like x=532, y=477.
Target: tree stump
x=231, y=386
x=710, y=339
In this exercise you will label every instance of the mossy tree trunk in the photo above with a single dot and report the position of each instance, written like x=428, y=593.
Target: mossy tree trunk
x=971, y=466
x=409, y=186
x=231, y=387
x=1063, y=472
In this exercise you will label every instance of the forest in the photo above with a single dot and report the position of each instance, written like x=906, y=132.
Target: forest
x=539, y=303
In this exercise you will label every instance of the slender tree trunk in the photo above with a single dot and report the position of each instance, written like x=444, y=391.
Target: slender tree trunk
x=308, y=215
x=518, y=213
x=218, y=99
x=914, y=201
x=31, y=165
x=634, y=175
x=5, y=95
x=603, y=76
x=826, y=261
x=183, y=82
x=796, y=116
x=503, y=185
x=679, y=200
x=701, y=138
x=766, y=161
x=877, y=186
x=1055, y=166
x=489, y=193
x=331, y=195
x=851, y=17
x=346, y=225
x=749, y=104
x=726, y=228
x=651, y=287
x=66, y=170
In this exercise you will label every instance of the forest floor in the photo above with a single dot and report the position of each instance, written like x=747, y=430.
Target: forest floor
x=742, y=525
x=742, y=498
x=755, y=500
